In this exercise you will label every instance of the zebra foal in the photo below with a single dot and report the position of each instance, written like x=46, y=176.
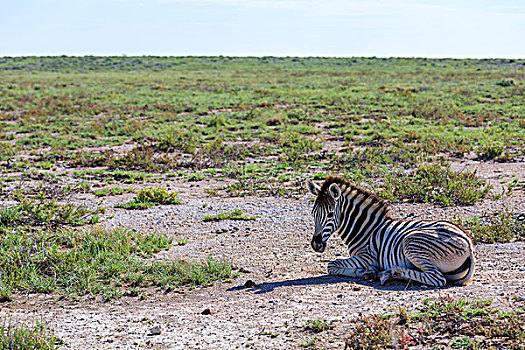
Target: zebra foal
x=434, y=253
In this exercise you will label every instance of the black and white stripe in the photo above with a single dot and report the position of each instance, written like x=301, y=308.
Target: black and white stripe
x=430, y=252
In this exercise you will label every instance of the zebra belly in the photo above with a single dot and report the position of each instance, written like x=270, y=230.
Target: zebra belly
x=391, y=254
x=385, y=265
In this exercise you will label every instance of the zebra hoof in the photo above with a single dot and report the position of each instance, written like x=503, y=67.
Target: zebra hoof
x=384, y=276
x=334, y=268
x=335, y=271
x=369, y=275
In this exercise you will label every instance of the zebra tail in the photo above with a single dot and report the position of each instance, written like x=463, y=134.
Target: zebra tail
x=464, y=274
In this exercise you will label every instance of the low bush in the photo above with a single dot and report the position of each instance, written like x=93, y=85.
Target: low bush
x=294, y=147
x=456, y=323
x=502, y=226
x=506, y=82
x=489, y=151
x=436, y=184
x=149, y=197
x=317, y=326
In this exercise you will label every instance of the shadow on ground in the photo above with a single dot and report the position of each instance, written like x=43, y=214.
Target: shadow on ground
x=266, y=287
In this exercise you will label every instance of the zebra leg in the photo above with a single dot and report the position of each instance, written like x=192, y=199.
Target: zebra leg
x=429, y=275
x=356, y=267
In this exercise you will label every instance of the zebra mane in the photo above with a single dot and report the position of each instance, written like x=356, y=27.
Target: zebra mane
x=345, y=185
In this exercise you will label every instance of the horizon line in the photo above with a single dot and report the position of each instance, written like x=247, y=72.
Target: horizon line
x=123, y=55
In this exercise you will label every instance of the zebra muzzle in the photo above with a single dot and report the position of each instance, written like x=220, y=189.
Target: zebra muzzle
x=317, y=244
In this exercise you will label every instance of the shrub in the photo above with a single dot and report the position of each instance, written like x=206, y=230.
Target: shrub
x=502, y=226
x=173, y=137
x=294, y=147
x=157, y=195
x=139, y=158
x=217, y=154
x=83, y=159
x=506, y=82
x=435, y=184
x=490, y=151
x=458, y=323
x=317, y=326
x=149, y=197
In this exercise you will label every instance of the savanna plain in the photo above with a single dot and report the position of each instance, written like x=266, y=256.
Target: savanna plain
x=159, y=202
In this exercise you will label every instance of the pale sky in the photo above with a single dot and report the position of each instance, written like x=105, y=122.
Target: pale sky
x=408, y=28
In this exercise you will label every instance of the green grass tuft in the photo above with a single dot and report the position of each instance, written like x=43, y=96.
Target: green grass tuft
x=37, y=212
x=134, y=205
x=25, y=338
x=112, y=191
x=237, y=214
x=317, y=326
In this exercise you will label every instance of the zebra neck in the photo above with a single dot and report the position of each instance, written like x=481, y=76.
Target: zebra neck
x=360, y=216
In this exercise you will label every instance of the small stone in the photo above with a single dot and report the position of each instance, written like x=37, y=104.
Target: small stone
x=250, y=284
x=155, y=331
x=521, y=298
x=206, y=311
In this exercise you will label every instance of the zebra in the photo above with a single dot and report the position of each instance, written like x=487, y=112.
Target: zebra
x=434, y=253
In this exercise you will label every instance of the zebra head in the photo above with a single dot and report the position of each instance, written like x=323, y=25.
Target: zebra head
x=326, y=215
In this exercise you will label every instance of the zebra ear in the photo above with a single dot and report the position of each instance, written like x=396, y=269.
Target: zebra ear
x=312, y=187
x=335, y=191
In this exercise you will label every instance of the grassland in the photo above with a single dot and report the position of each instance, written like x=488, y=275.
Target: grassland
x=264, y=122
x=99, y=127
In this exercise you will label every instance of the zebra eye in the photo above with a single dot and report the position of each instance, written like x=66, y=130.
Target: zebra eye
x=330, y=214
